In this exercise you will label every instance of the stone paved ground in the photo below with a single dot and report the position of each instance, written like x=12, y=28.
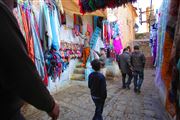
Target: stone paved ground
x=76, y=104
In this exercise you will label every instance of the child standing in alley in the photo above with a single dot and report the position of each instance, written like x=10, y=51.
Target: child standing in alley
x=97, y=85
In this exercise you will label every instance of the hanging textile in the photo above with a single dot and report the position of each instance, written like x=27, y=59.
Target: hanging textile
x=45, y=27
x=54, y=63
x=112, y=36
x=93, y=5
x=153, y=41
x=27, y=28
x=89, y=29
x=18, y=16
x=167, y=70
x=55, y=31
x=164, y=47
x=69, y=21
x=117, y=45
x=177, y=65
x=63, y=18
x=77, y=20
x=99, y=45
x=162, y=21
x=94, y=38
x=39, y=57
x=161, y=30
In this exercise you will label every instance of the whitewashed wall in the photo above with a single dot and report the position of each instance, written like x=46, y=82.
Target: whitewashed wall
x=64, y=79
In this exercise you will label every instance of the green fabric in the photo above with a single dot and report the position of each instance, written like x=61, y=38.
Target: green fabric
x=91, y=4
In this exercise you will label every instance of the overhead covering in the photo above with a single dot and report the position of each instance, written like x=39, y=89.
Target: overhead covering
x=72, y=6
x=93, y=5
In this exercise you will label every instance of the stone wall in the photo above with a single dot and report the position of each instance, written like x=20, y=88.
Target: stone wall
x=145, y=48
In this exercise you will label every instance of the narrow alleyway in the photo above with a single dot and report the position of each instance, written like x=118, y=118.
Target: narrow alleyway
x=76, y=104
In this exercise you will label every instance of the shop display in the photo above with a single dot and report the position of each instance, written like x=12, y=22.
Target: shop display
x=161, y=41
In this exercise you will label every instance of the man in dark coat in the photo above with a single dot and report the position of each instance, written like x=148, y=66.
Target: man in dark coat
x=19, y=80
x=138, y=61
x=125, y=67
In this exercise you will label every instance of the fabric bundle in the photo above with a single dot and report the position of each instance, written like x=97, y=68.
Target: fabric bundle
x=93, y=5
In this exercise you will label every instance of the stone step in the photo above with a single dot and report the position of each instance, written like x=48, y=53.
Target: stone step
x=79, y=71
x=78, y=65
x=78, y=77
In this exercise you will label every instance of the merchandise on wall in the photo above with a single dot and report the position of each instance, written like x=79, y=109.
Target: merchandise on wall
x=112, y=37
x=162, y=40
x=153, y=41
x=175, y=84
x=43, y=33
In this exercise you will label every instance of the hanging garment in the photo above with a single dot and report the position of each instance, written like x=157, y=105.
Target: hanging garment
x=167, y=69
x=45, y=27
x=27, y=27
x=78, y=20
x=89, y=29
x=69, y=21
x=63, y=18
x=55, y=30
x=117, y=45
x=162, y=28
x=99, y=45
x=105, y=33
x=39, y=57
x=58, y=27
x=94, y=38
x=153, y=41
x=18, y=16
x=45, y=81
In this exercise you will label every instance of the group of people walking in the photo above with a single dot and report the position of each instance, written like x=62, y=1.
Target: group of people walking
x=132, y=65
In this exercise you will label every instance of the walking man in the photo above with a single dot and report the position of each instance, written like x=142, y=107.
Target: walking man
x=125, y=67
x=138, y=62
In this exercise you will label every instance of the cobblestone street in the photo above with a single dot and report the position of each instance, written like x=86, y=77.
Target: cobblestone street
x=76, y=104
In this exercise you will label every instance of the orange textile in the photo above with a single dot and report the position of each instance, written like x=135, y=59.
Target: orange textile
x=166, y=71
x=29, y=39
x=86, y=53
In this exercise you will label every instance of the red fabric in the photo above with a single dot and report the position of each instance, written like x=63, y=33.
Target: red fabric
x=30, y=42
x=29, y=39
x=45, y=81
x=111, y=3
x=74, y=19
x=81, y=7
x=105, y=33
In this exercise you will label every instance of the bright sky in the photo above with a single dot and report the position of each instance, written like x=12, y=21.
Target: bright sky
x=144, y=4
